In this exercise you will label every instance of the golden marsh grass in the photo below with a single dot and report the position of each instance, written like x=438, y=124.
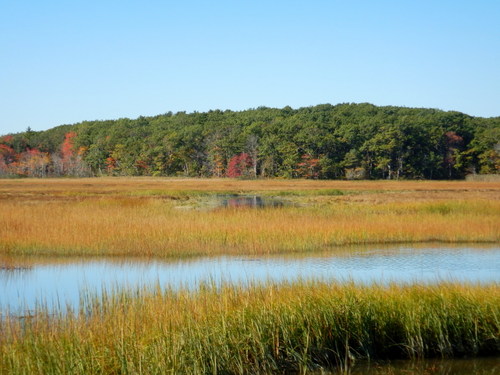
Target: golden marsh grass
x=168, y=218
x=261, y=329
x=268, y=328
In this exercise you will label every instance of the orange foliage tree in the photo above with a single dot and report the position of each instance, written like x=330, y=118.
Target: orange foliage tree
x=308, y=167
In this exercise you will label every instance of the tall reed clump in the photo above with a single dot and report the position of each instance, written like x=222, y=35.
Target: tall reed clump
x=261, y=329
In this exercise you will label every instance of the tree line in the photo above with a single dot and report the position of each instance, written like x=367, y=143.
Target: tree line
x=344, y=141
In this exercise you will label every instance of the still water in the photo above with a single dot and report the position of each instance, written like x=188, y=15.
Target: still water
x=59, y=282
x=465, y=366
x=249, y=201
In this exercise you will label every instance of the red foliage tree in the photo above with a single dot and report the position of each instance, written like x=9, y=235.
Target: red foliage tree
x=110, y=164
x=308, y=167
x=7, y=152
x=67, y=148
x=239, y=165
x=71, y=161
x=142, y=166
x=6, y=139
x=7, y=157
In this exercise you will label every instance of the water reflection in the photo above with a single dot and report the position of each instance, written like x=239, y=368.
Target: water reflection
x=254, y=201
x=59, y=281
x=467, y=366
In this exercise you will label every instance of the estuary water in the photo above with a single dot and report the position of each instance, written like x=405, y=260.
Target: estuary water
x=463, y=366
x=59, y=282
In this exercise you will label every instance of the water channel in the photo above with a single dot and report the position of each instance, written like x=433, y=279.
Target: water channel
x=457, y=366
x=60, y=281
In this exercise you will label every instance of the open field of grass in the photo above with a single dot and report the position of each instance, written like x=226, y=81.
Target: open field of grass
x=173, y=217
x=273, y=328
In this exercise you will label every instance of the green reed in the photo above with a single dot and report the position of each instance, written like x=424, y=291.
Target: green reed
x=261, y=329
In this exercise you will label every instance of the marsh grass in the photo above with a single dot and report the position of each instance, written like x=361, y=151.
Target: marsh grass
x=265, y=328
x=168, y=218
x=261, y=329
x=8, y=263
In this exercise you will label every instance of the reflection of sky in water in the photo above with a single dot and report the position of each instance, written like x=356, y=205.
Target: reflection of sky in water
x=62, y=282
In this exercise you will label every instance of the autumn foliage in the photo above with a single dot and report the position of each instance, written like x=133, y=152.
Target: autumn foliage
x=239, y=165
x=32, y=162
x=308, y=167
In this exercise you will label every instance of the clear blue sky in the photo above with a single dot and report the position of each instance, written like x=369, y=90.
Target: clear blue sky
x=68, y=61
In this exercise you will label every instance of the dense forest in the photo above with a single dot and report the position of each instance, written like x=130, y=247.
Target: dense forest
x=344, y=141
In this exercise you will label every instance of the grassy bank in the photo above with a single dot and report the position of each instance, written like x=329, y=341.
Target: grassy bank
x=173, y=218
x=261, y=329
